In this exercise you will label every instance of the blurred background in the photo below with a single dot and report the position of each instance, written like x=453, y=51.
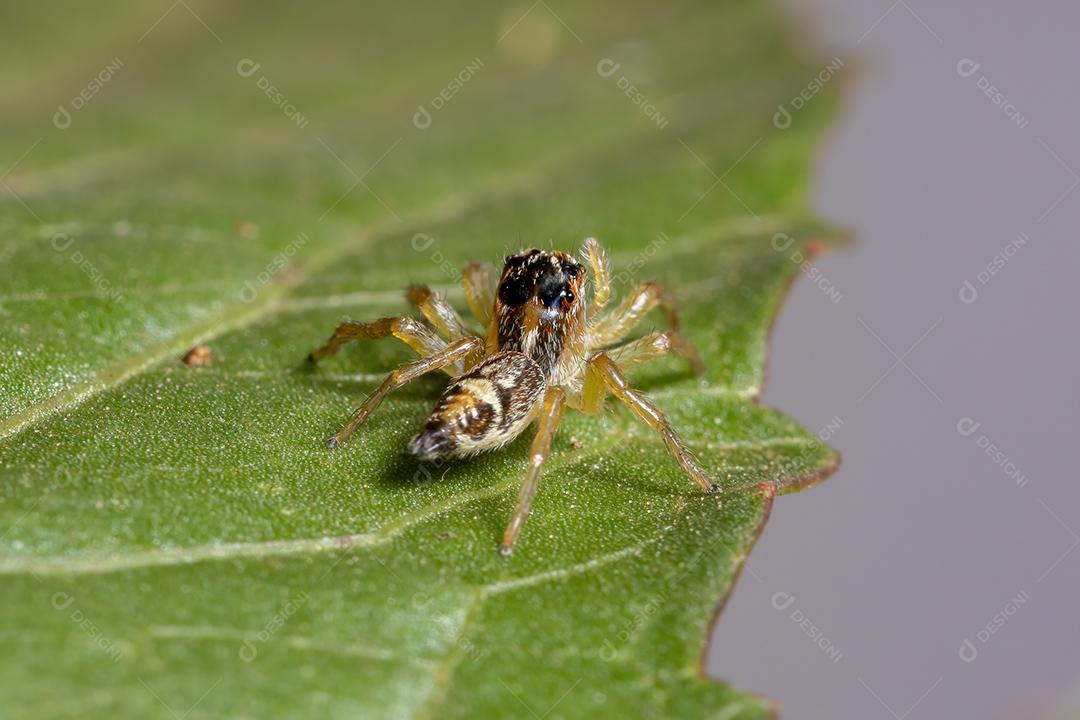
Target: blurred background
x=946, y=375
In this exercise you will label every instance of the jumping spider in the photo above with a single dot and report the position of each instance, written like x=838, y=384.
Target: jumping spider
x=538, y=355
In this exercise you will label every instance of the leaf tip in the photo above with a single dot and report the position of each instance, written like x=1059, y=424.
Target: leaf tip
x=766, y=489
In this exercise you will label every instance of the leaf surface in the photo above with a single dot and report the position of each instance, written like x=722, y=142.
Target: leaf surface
x=177, y=539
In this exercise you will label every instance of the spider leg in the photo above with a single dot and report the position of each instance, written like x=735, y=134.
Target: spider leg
x=455, y=352
x=615, y=325
x=406, y=329
x=597, y=259
x=603, y=374
x=550, y=415
x=654, y=345
x=479, y=291
x=438, y=312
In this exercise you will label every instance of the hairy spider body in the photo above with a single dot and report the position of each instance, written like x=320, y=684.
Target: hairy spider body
x=483, y=409
x=538, y=354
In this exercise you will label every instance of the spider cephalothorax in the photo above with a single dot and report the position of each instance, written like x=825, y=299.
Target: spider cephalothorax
x=537, y=356
x=538, y=311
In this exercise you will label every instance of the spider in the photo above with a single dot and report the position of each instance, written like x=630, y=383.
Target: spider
x=538, y=355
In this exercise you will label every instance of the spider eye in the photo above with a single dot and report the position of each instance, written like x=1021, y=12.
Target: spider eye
x=558, y=296
x=514, y=292
x=551, y=289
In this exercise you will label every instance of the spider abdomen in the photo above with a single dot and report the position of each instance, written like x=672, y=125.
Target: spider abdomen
x=483, y=409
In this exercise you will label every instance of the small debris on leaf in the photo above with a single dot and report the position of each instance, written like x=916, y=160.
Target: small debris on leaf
x=198, y=356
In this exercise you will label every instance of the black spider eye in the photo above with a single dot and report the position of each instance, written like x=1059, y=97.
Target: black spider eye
x=550, y=289
x=514, y=292
x=554, y=291
x=568, y=296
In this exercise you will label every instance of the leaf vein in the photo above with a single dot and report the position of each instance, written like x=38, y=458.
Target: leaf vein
x=297, y=642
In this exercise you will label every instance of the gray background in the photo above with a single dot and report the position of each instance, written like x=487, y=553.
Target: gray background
x=920, y=538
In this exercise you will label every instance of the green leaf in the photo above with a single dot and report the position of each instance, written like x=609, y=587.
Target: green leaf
x=177, y=539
